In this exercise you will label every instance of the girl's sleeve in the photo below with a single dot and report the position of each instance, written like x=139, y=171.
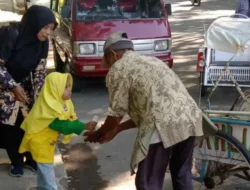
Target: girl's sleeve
x=67, y=127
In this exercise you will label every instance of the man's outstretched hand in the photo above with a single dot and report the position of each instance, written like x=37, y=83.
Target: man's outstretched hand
x=92, y=137
x=106, y=133
x=110, y=135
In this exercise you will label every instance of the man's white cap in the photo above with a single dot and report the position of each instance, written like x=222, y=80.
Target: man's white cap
x=116, y=41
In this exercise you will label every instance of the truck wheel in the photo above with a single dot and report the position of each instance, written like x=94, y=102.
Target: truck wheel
x=78, y=84
x=59, y=64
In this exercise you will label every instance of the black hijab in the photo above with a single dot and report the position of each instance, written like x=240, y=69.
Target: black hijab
x=28, y=50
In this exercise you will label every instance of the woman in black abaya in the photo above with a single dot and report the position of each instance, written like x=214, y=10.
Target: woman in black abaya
x=23, y=51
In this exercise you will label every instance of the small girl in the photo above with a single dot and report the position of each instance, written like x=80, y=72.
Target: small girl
x=52, y=114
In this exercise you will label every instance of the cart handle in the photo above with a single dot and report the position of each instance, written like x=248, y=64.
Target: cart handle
x=227, y=112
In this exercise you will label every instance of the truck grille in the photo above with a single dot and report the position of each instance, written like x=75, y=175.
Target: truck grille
x=145, y=47
x=240, y=74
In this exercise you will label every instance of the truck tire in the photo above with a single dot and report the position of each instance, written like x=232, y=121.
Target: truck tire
x=168, y=8
x=203, y=89
x=78, y=84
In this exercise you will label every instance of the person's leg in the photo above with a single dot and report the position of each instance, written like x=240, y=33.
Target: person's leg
x=3, y=129
x=40, y=179
x=30, y=163
x=151, y=171
x=181, y=164
x=12, y=145
x=17, y=159
x=46, y=179
x=14, y=136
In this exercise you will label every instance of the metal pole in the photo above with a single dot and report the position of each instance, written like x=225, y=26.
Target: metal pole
x=227, y=112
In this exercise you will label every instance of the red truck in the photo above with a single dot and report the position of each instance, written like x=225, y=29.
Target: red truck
x=84, y=26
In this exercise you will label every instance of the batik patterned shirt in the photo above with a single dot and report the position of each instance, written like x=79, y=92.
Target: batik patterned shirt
x=154, y=97
x=9, y=107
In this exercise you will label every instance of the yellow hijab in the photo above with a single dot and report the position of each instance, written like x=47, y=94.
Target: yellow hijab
x=50, y=105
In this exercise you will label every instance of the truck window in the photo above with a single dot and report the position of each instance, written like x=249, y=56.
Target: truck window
x=90, y=10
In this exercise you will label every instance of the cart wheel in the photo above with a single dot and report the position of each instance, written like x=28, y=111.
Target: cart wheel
x=217, y=174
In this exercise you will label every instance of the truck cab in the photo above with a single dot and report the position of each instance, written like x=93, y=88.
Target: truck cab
x=84, y=25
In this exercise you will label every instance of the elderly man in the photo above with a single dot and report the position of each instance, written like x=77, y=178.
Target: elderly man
x=159, y=105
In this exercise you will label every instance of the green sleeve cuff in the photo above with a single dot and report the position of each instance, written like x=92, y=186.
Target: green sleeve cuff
x=67, y=127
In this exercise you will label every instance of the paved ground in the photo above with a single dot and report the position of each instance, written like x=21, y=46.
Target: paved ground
x=28, y=181
x=106, y=167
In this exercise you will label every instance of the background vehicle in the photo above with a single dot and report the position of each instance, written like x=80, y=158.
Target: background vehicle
x=211, y=63
x=84, y=26
x=222, y=157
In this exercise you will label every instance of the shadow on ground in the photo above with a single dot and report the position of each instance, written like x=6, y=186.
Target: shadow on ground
x=82, y=166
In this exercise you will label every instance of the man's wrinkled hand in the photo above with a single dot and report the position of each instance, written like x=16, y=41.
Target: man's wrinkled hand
x=92, y=137
x=109, y=136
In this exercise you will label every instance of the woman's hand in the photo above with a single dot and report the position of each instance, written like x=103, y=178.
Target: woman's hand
x=20, y=94
x=91, y=126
